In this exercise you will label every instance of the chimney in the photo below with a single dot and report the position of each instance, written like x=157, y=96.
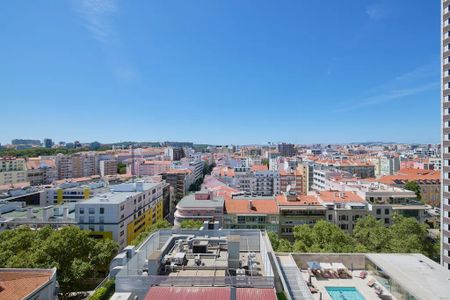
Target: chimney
x=250, y=205
x=341, y=194
x=65, y=213
x=139, y=186
x=29, y=213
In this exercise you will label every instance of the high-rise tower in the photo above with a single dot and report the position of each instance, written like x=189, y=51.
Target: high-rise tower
x=445, y=137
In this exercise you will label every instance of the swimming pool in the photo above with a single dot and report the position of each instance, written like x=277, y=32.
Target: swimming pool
x=344, y=293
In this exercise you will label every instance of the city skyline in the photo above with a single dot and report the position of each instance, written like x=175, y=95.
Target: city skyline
x=267, y=73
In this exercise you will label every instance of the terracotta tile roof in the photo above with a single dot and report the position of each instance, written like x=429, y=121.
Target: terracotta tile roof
x=157, y=162
x=178, y=171
x=20, y=185
x=409, y=174
x=227, y=172
x=339, y=197
x=306, y=200
x=259, y=168
x=260, y=206
x=16, y=285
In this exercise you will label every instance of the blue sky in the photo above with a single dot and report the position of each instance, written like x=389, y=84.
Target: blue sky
x=220, y=71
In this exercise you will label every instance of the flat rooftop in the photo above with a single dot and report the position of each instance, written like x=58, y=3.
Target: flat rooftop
x=191, y=202
x=117, y=196
x=422, y=277
x=415, y=274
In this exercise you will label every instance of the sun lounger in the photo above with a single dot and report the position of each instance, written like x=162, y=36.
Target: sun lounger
x=363, y=275
x=371, y=283
x=313, y=290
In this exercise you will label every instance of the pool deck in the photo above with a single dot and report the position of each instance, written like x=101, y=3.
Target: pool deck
x=360, y=284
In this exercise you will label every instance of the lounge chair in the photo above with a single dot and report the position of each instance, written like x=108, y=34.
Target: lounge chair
x=363, y=275
x=371, y=283
x=313, y=290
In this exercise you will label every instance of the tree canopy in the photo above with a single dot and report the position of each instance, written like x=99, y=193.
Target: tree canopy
x=415, y=187
x=160, y=224
x=191, y=224
x=74, y=254
x=405, y=235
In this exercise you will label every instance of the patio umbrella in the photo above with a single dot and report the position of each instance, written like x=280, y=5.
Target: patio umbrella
x=326, y=266
x=313, y=265
x=339, y=266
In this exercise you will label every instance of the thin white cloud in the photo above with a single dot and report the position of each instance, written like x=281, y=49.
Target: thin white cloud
x=376, y=12
x=390, y=96
x=96, y=15
x=98, y=18
x=408, y=84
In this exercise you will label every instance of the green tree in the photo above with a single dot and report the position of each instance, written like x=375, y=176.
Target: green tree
x=324, y=237
x=408, y=236
x=284, y=246
x=274, y=240
x=415, y=187
x=71, y=250
x=372, y=234
x=191, y=224
x=121, y=168
x=160, y=224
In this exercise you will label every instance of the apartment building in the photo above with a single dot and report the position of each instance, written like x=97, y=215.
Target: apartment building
x=180, y=180
x=286, y=149
x=324, y=179
x=389, y=165
x=123, y=213
x=84, y=164
x=108, y=167
x=64, y=166
x=291, y=181
x=306, y=171
x=200, y=206
x=295, y=209
x=343, y=208
x=429, y=182
x=264, y=182
x=355, y=167
x=149, y=167
x=12, y=170
x=41, y=171
x=251, y=212
x=77, y=165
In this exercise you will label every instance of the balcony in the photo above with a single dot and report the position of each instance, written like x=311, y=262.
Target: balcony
x=446, y=233
x=446, y=259
x=447, y=247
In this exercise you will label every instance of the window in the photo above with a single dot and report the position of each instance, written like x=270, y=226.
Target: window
x=91, y=219
x=241, y=219
x=91, y=210
x=386, y=220
x=330, y=217
x=122, y=233
x=81, y=210
x=91, y=227
x=102, y=210
x=378, y=211
x=81, y=219
x=386, y=211
x=101, y=228
x=102, y=219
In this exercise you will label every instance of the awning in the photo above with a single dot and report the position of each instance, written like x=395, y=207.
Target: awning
x=313, y=265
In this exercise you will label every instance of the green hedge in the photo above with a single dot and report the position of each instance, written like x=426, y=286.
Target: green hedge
x=104, y=292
